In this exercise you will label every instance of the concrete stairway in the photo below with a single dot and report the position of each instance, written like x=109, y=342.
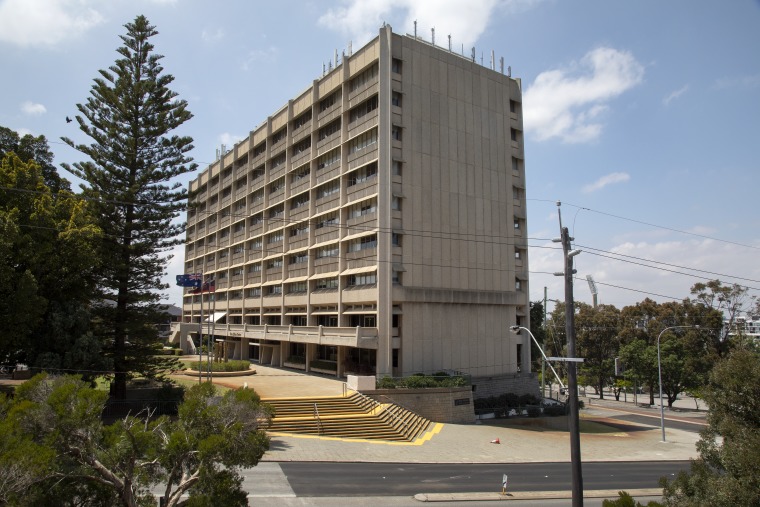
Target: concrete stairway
x=354, y=416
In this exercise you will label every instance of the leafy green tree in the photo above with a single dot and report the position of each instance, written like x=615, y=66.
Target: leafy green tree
x=133, y=160
x=47, y=266
x=598, y=343
x=727, y=302
x=29, y=148
x=727, y=471
x=76, y=460
x=537, y=328
x=626, y=500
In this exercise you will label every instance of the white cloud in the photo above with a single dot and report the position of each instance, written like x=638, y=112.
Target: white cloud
x=464, y=20
x=567, y=103
x=269, y=54
x=30, y=23
x=676, y=94
x=210, y=36
x=33, y=109
x=229, y=140
x=608, y=179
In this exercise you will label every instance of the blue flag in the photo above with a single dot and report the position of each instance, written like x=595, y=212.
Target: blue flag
x=192, y=280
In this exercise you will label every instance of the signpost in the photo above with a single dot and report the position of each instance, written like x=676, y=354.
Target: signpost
x=504, y=481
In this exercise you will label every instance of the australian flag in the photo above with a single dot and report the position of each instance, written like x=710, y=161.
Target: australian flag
x=192, y=280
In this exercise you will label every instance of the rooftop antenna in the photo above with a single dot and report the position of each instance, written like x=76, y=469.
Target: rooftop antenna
x=324, y=69
x=493, y=60
x=432, y=35
x=481, y=58
x=350, y=48
x=415, y=28
x=473, y=54
x=509, y=71
x=449, y=43
x=501, y=64
x=336, y=57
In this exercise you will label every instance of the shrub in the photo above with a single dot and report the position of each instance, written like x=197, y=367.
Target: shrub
x=386, y=383
x=324, y=365
x=533, y=410
x=236, y=365
x=555, y=410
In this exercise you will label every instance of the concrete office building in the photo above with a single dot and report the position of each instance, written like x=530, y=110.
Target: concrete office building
x=375, y=223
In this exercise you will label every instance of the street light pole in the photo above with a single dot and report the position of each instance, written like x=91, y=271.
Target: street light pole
x=659, y=374
x=572, y=376
x=516, y=329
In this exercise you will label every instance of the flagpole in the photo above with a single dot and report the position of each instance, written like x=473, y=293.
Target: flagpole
x=211, y=338
x=208, y=329
x=200, y=334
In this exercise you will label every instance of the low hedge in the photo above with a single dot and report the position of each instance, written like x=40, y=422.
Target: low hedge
x=235, y=365
x=421, y=381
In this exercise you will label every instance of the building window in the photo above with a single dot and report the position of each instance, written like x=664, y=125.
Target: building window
x=518, y=285
x=254, y=268
x=518, y=255
x=279, y=135
x=300, y=173
x=256, y=219
x=326, y=284
x=260, y=149
x=275, y=237
x=302, y=146
x=223, y=254
x=276, y=211
x=328, y=159
x=257, y=196
x=274, y=263
x=515, y=135
x=298, y=320
x=296, y=287
x=327, y=251
x=300, y=201
x=327, y=321
x=329, y=188
x=277, y=185
x=236, y=294
x=298, y=258
x=363, y=109
x=396, y=99
x=364, y=279
x=274, y=290
x=396, y=278
x=514, y=106
x=396, y=133
x=396, y=203
x=396, y=168
x=363, y=141
x=237, y=272
x=329, y=101
x=395, y=239
x=301, y=120
x=299, y=230
x=362, y=174
x=364, y=78
x=257, y=173
x=518, y=353
x=365, y=243
x=330, y=220
x=363, y=321
x=362, y=209
x=255, y=245
x=221, y=275
x=253, y=293
x=396, y=66
x=329, y=129
x=517, y=224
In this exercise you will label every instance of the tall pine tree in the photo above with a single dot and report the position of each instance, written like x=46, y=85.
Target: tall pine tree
x=133, y=160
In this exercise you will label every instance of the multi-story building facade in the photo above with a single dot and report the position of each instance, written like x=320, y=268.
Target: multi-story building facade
x=375, y=223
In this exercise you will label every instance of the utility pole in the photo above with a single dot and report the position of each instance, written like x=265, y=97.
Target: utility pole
x=572, y=376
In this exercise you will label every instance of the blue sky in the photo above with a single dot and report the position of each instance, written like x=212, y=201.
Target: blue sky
x=641, y=117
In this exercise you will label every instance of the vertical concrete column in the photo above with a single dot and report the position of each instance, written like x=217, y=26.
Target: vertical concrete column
x=341, y=358
x=310, y=353
x=384, y=196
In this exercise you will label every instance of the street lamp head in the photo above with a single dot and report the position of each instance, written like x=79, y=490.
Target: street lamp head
x=514, y=329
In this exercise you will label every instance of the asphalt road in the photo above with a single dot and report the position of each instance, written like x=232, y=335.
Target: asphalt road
x=393, y=479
